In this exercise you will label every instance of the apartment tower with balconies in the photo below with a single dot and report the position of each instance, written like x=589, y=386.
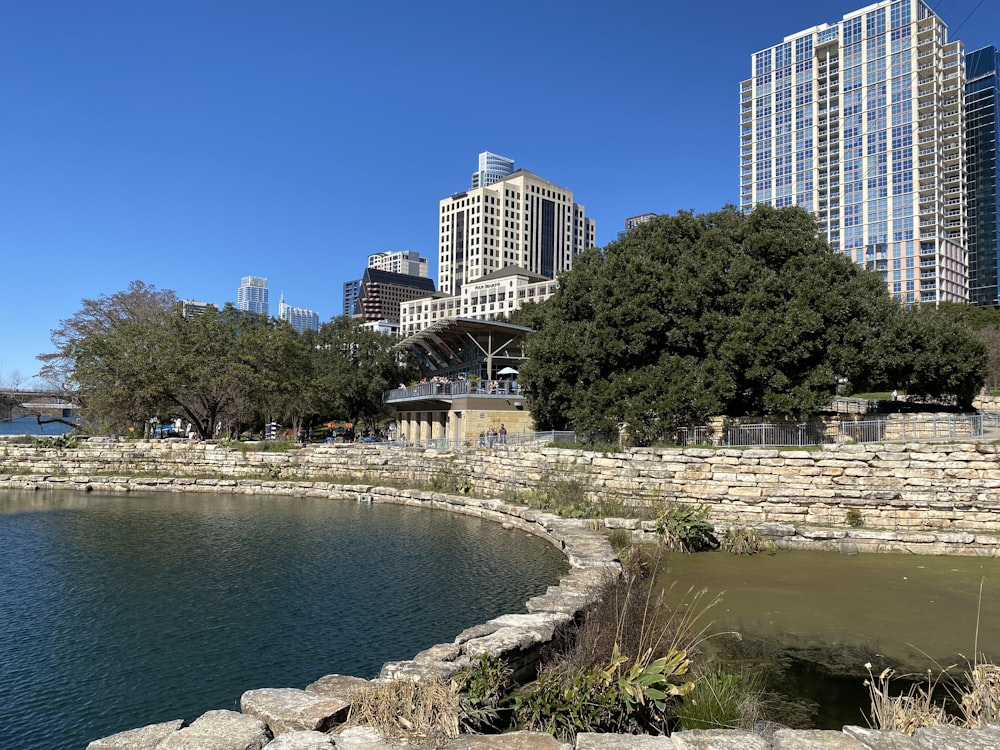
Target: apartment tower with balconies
x=862, y=122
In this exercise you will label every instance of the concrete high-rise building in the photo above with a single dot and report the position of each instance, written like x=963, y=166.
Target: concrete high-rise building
x=492, y=167
x=407, y=262
x=500, y=246
x=520, y=220
x=299, y=318
x=252, y=295
x=982, y=107
x=862, y=122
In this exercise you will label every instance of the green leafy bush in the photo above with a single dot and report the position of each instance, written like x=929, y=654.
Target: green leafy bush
x=686, y=528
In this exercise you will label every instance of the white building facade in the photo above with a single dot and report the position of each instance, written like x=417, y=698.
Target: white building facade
x=862, y=122
x=522, y=225
x=406, y=262
x=299, y=318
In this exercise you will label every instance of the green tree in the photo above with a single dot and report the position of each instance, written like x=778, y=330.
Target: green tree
x=352, y=369
x=689, y=316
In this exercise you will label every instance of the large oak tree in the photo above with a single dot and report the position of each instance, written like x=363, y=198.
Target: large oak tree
x=690, y=316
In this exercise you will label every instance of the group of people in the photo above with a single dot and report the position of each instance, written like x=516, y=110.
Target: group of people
x=493, y=436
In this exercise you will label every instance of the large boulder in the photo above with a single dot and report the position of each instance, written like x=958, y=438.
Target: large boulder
x=291, y=709
x=219, y=730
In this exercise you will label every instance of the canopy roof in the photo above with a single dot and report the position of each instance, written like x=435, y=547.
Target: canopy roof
x=457, y=345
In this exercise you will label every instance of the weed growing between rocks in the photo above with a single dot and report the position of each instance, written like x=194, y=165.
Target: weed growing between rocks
x=737, y=540
x=723, y=700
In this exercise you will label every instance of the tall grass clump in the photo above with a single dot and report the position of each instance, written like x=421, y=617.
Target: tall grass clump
x=626, y=668
x=723, y=700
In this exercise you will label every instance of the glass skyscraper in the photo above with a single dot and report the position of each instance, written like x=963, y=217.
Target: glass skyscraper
x=862, y=123
x=982, y=107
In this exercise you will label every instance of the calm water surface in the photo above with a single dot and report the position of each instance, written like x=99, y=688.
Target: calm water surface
x=30, y=426
x=124, y=610
x=822, y=615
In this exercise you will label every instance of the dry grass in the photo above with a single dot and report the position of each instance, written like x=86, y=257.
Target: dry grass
x=417, y=713
x=907, y=712
x=980, y=700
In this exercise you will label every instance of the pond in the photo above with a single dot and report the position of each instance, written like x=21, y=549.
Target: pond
x=811, y=620
x=118, y=611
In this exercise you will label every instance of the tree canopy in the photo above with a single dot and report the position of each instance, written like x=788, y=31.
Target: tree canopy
x=690, y=316
x=130, y=357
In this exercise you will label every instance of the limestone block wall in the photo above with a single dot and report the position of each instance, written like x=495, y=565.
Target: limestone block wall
x=941, y=495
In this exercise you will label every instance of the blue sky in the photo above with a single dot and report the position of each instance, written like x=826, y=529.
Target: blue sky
x=189, y=143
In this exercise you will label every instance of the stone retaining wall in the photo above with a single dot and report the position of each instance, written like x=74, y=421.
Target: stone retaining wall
x=936, y=499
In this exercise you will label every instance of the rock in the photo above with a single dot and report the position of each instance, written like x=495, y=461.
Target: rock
x=360, y=738
x=718, y=739
x=956, y=738
x=587, y=741
x=137, y=739
x=302, y=741
x=813, y=739
x=882, y=740
x=219, y=730
x=509, y=741
x=341, y=685
x=290, y=709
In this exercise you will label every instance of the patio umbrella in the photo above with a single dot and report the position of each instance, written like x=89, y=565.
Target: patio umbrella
x=507, y=371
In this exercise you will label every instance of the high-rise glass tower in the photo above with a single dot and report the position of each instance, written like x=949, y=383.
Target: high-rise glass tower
x=492, y=167
x=252, y=295
x=982, y=108
x=862, y=122
x=299, y=318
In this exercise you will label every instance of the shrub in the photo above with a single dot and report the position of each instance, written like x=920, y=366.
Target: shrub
x=854, y=519
x=686, y=528
x=741, y=541
x=627, y=665
x=485, y=698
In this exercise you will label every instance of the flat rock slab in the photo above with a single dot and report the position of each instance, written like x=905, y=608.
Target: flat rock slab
x=361, y=738
x=588, y=741
x=290, y=709
x=137, y=739
x=219, y=730
x=718, y=739
x=509, y=741
x=341, y=685
x=813, y=739
x=302, y=741
x=954, y=738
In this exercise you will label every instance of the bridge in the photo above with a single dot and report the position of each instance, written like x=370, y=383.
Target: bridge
x=15, y=404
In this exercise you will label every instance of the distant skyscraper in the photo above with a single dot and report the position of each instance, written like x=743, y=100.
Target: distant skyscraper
x=382, y=292
x=982, y=120
x=299, y=318
x=403, y=261
x=492, y=167
x=351, y=291
x=252, y=295
x=192, y=307
x=862, y=123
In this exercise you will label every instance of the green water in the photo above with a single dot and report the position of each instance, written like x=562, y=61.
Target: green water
x=813, y=619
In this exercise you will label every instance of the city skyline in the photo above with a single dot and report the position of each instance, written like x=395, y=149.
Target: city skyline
x=181, y=144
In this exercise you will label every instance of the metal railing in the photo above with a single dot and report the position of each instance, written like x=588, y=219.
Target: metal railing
x=935, y=428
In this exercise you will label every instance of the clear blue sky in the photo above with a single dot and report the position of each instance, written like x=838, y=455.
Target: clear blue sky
x=189, y=143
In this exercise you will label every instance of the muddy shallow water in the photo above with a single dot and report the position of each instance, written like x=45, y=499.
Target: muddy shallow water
x=812, y=619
